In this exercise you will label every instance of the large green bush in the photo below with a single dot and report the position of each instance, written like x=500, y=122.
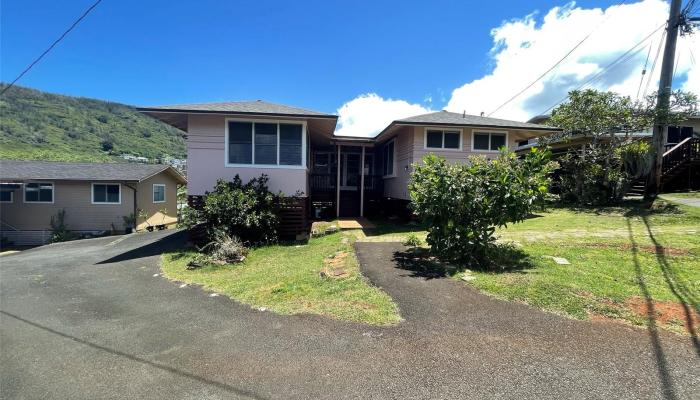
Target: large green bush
x=463, y=204
x=248, y=211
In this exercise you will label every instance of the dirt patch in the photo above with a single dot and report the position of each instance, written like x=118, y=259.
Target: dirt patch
x=667, y=251
x=666, y=312
x=334, y=266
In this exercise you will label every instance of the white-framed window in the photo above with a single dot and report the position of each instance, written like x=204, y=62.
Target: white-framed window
x=158, y=193
x=106, y=193
x=38, y=192
x=388, y=159
x=443, y=139
x=489, y=141
x=271, y=144
x=7, y=196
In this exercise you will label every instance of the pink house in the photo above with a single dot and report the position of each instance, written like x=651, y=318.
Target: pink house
x=343, y=176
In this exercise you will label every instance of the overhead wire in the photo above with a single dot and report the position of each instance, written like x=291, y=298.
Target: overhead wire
x=556, y=64
x=63, y=35
x=631, y=52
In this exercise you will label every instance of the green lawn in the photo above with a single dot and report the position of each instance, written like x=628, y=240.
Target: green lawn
x=286, y=279
x=620, y=257
x=683, y=195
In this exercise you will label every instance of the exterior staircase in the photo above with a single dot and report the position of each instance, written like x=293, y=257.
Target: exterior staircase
x=678, y=162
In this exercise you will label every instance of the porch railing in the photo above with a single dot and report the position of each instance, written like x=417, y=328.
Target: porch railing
x=685, y=151
x=326, y=183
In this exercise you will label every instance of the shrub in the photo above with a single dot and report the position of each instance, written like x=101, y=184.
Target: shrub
x=412, y=240
x=226, y=248
x=248, y=211
x=59, y=230
x=462, y=204
x=595, y=175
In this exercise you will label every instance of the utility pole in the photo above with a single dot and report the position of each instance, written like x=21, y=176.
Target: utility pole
x=663, y=99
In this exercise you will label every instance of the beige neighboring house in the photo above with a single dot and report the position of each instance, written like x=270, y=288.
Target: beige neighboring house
x=95, y=196
x=337, y=176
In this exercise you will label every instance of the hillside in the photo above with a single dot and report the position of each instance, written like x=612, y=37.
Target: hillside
x=40, y=125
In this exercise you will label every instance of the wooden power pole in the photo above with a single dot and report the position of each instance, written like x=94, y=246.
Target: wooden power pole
x=663, y=99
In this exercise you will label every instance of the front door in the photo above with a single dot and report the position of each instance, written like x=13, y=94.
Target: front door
x=349, y=184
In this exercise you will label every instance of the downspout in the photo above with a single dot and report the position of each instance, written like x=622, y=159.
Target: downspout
x=136, y=216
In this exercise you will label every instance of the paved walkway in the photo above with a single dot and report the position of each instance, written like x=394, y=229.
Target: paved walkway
x=93, y=319
x=686, y=201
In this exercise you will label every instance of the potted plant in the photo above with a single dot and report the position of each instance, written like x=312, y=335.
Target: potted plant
x=129, y=223
x=144, y=215
x=163, y=212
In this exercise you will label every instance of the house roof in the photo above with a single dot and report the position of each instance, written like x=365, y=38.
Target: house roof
x=257, y=107
x=450, y=118
x=80, y=171
x=446, y=118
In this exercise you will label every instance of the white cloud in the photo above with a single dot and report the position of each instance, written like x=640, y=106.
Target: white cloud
x=524, y=48
x=367, y=114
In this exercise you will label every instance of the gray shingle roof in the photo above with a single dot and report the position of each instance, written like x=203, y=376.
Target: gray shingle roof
x=450, y=118
x=53, y=170
x=239, y=107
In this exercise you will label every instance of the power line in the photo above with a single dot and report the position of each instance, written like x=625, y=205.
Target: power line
x=77, y=21
x=653, y=65
x=644, y=70
x=555, y=64
x=624, y=57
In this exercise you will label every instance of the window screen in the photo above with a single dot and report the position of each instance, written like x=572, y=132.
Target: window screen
x=497, y=141
x=240, y=142
x=158, y=193
x=290, y=144
x=105, y=193
x=434, y=139
x=481, y=141
x=265, y=143
x=451, y=140
x=38, y=192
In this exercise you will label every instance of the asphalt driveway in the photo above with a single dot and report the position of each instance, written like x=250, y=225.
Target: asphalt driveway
x=92, y=319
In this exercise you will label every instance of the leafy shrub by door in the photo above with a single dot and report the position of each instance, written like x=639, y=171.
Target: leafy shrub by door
x=463, y=204
x=248, y=211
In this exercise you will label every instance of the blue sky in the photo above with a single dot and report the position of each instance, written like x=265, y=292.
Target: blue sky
x=313, y=54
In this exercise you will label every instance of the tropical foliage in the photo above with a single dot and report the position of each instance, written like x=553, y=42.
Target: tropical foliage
x=463, y=204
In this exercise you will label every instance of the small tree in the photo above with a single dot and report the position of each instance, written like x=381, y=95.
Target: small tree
x=601, y=171
x=59, y=229
x=463, y=204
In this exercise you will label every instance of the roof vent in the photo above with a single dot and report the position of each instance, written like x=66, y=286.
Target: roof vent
x=464, y=113
x=482, y=113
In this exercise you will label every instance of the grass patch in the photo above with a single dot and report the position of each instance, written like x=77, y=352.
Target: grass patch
x=683, y=195
x=622, y=260
x=286, y=279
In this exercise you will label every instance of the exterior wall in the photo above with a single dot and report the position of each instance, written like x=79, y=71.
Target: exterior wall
x=410, y=148
x=145, y=201
x=206, y=160
x=75, y=197
x=397, y=187
x=29, y=223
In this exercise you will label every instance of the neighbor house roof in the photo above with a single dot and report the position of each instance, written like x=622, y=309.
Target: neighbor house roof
x=257, y=107
x=450, y=118
x=446, y=118
x=80, y=171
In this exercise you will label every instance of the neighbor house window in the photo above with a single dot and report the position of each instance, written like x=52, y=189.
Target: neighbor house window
x=106, y=193
x=265, y=143
x=442, y=139
x=6, y=196
x=488, y=141
x=388, y=158
x=158, y=193
x=38, y=193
